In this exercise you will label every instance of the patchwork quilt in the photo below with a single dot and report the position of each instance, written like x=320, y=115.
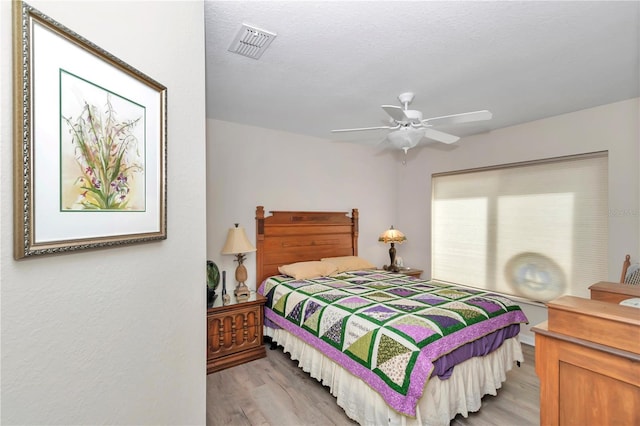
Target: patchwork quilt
x=383, y=327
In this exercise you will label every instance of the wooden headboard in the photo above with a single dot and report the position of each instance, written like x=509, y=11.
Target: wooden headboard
x=297, y=236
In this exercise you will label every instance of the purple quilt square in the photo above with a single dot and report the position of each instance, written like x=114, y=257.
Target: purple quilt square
x=485, y=304
x=443, y=321
x=430, y=299
x=330, y=297
x=401, y=291
x=407, y=308
x=311, y=309
x=358, y=287
x=297, y=284
x=354, y=302
x=378, y=308
x=416, y=332
x=359, y=281
x=380, y=312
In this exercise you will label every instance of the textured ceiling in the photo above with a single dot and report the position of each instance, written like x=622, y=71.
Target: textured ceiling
x=333, y=64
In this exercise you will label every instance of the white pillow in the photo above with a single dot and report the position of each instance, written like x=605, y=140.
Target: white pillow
x=306, y=270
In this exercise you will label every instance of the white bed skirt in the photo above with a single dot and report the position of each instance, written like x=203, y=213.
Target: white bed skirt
x=440, y=402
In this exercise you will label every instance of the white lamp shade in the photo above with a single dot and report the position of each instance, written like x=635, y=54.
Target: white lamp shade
x=237, y=242
x=405, y=137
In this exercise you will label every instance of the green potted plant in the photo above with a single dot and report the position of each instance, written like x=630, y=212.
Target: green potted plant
x=213, y=279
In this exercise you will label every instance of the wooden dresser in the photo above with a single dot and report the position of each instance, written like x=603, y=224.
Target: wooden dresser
x=234, y=332
x=588, y=362
x=613, y=292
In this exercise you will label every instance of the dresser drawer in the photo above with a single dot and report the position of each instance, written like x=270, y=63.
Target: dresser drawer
x=221, y=344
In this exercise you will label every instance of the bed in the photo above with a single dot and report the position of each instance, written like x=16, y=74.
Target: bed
x=375, y=358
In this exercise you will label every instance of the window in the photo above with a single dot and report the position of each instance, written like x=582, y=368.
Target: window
x=536, y=230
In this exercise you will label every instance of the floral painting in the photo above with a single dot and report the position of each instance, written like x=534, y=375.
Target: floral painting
x=91, y=131
x=102, y=148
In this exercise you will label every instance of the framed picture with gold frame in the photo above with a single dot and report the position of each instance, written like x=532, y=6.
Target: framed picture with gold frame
x=90, y=143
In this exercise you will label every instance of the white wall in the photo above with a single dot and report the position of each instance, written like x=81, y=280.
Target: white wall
x=250, y=166
x=614, y=127
x=114, y=336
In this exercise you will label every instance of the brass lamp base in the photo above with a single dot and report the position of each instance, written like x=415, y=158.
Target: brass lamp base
x=392, y=257
x=391, y=268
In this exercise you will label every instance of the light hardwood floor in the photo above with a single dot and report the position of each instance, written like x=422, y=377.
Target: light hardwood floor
x=273, y=391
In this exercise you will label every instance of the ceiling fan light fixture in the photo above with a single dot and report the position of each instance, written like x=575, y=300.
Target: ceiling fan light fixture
x=405, y=138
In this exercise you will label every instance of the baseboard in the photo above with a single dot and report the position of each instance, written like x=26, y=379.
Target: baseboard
x=527, y=340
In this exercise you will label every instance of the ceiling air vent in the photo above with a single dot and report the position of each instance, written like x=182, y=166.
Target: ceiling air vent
x=251, y=41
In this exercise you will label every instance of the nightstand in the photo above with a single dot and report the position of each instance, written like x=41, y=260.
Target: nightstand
x=234, y=332
x=411, y=272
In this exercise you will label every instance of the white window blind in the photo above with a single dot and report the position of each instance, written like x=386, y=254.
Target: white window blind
x=536, y=230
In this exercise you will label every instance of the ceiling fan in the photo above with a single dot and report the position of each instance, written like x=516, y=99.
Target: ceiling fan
x=408, y=127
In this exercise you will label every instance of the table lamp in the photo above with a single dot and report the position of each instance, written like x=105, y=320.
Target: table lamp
x=392, y=236
x=238, y=244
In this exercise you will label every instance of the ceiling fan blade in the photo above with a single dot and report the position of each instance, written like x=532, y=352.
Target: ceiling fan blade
x=439, y=136
x=465, y=117
x=395, y=112
x=357, y=129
